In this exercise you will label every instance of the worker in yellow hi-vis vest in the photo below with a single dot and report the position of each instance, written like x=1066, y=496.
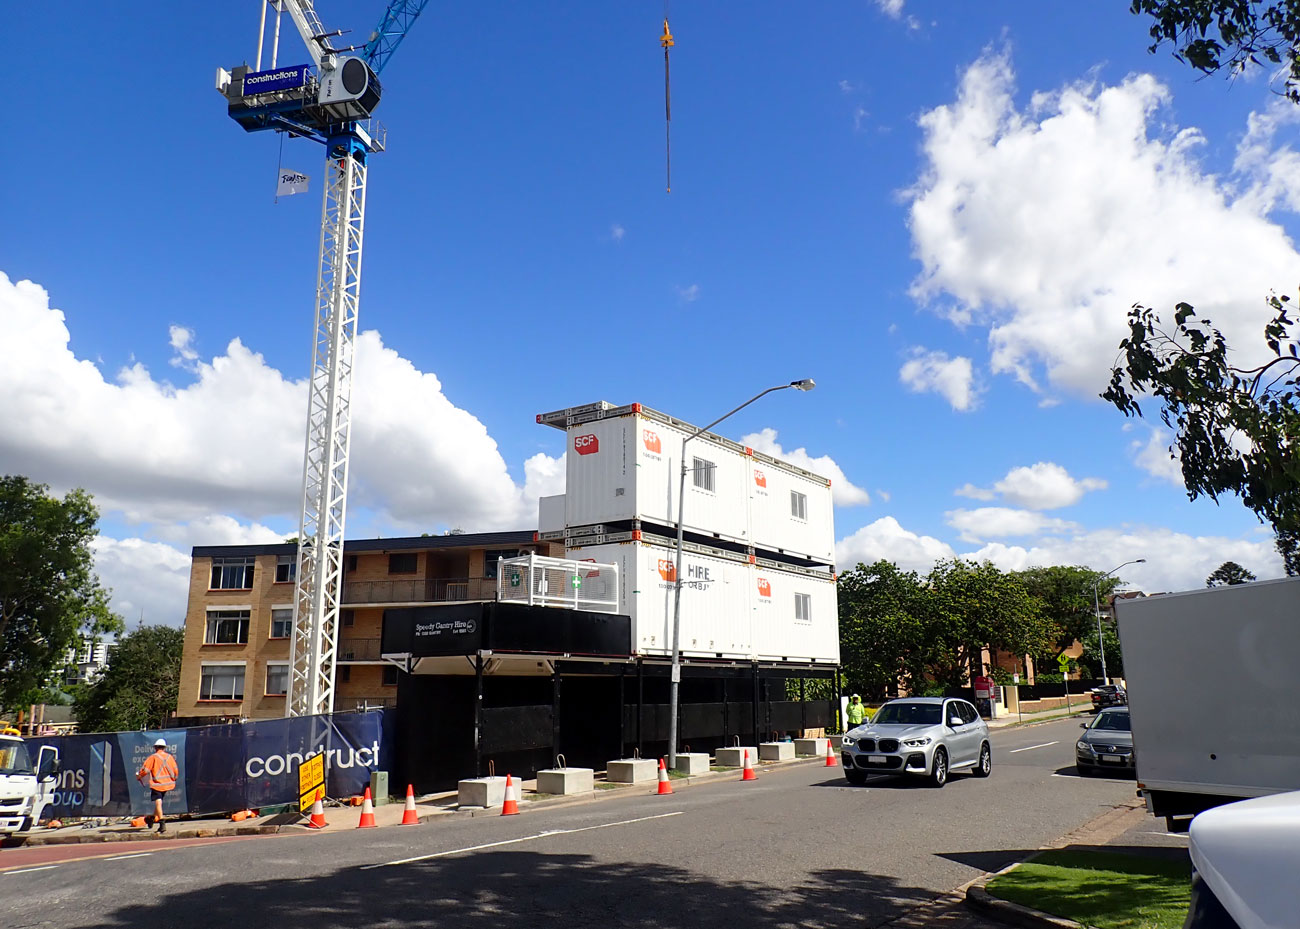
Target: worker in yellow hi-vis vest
x=857, y=712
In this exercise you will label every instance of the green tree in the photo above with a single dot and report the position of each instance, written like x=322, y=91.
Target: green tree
x=1235, y=429
x=1228, y=574
x=974, y=605
x=882, y=639
x=1090, y=660
x=49, y=594
x=1214, y=35
x=1066, y=593
x=138, y=689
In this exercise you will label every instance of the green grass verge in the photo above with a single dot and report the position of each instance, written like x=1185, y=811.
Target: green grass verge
x=605, y=785
x=1102, y=889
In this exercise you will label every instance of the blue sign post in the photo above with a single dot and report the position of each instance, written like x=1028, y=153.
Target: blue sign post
x=263, y=82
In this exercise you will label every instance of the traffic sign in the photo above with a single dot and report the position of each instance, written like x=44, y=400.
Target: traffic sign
x=1063, y=662
x=311, y=780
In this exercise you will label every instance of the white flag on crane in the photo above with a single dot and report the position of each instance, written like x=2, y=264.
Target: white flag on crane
x=291, y=182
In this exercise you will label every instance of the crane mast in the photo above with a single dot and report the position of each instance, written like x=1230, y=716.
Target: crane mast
x=328, y=106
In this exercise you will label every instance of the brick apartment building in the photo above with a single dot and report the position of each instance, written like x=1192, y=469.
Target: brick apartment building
x=239, y=622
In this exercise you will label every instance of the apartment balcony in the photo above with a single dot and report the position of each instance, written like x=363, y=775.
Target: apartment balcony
x=418, y=590
x=357, y=650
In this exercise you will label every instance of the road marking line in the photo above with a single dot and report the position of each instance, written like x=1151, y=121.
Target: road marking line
x=48, y=867
x=125, y=857
x=528, y=838
x=1030, y=748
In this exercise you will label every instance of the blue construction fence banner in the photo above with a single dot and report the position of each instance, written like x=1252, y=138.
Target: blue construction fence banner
x=222, y=768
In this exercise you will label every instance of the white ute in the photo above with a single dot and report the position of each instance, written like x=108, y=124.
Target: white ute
x=25, y=791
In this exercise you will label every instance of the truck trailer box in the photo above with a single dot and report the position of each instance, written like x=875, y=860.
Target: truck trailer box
x=731, y=608
x=1212, y=691
x=623, y=463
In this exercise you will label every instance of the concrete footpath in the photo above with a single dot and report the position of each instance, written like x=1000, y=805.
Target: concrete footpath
x=340, y=817
x=1012, y=719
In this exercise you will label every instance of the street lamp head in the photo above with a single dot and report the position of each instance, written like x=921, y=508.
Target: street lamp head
x=806, y=383
x=1140, y=561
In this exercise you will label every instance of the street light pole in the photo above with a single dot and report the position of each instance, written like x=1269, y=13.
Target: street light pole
x=675, y=676
x=1096, y=605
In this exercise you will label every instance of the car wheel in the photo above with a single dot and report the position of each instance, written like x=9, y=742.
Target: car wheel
x=939, y=768
x=856, y=778
x=984, y=767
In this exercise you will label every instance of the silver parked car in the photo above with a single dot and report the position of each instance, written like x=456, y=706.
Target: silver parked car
x=924, y=736
x=1106, y=744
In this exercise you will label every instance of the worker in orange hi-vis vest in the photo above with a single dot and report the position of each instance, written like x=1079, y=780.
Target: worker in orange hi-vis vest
x=159, y=772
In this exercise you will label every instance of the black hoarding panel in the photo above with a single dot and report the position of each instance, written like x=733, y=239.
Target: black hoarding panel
x=516, y=728
x=517, y=627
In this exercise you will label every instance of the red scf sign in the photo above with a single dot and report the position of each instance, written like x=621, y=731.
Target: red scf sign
x=586, y=444
x=760, y=479
x=593, y=572
x=651, y=440
x=667, y=570
x=983, y=686
x=764, y=588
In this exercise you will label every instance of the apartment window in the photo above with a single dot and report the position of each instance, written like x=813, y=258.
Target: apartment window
x=803, y=608
x=390, y=676
x=232, y=573
x=403, y=562
x=490, y=559
x=286, y=569
x=343, y=673
x=352, y=563
x=277, y=679
x=348, y=618
x=226, y=627
x=222, y=682
x=281, y=622
x=703, y=472
x=798, y=505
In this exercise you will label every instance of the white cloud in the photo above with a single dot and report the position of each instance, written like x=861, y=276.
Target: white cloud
x=1045, y=223
x=1000, y=522
x=886, y=539
x=149, y=580
x=1153, y=456
x=1041, y=486
x=891, y=8
x=182, y=340
x=689, y=294
x=616, y=232
x=975, y=493
x=860, y=115
x=843, y=492
x=847, y=87
x=952, y=378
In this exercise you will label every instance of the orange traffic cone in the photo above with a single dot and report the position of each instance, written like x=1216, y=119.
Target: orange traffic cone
x=409, y=816
x=317, y=818
x=367, y=812
x=830, y=756
x=748, y=774
x=664, y=786
x=511, y=805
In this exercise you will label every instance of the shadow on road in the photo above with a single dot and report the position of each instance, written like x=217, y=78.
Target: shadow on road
x=1100, y=774
x=996, y=860
x=518, y=889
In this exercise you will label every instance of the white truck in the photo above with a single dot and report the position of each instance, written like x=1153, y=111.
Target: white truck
x=1214, y=694
x=25, y=791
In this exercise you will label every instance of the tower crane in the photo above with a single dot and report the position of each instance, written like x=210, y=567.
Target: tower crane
x=329, y=100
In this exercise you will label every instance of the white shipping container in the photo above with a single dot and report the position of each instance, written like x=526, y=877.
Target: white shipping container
x=624, y=463
x=730, y=608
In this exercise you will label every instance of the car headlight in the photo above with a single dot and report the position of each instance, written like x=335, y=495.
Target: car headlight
x=918, y=743
x=1083, y=746
x=845, y=740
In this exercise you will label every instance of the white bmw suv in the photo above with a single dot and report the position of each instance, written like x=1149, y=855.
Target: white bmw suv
x=926, y=736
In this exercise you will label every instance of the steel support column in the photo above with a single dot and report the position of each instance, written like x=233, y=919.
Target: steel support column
x=478, y=715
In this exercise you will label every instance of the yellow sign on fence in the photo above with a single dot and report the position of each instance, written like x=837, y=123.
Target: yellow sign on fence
x=311, y=781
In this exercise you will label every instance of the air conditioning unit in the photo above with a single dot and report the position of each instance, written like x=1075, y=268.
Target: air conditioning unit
x=350, y=91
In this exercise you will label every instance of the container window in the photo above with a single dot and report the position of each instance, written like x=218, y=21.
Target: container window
x=703, y=471
x=403, y=562
x=798, y=505
x=281, y=622
x=803, y=608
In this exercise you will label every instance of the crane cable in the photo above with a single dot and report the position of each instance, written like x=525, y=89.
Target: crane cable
x=666, y=40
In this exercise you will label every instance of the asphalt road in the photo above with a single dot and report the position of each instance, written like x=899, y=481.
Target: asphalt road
x=799, y=847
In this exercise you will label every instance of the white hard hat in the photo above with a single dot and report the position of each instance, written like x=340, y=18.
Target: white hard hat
x=160, y=743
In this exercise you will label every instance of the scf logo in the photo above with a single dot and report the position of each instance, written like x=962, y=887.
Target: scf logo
x=586, y=444
x=765, y=588
x=651, y=440
x=667, y=570
x=760, y=479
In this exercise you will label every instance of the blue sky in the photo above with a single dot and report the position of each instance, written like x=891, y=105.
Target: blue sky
x=940, y=212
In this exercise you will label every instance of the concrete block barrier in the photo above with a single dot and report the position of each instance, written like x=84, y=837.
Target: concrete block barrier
x=810, y=747
x=566, y=781
x=482, y=791
x=776, y=751
x=734, y=757
x=632, y=770
x=692, y=763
